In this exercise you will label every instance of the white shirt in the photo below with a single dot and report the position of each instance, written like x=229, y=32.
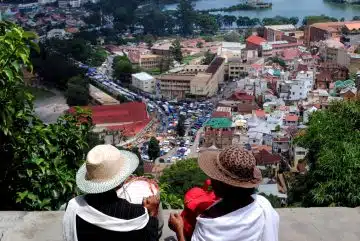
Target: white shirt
x=257, y=221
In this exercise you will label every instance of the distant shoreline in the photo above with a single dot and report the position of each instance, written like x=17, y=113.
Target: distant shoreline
x=239, y=7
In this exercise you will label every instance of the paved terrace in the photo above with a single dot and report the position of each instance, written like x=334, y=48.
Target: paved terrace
x=298, y=224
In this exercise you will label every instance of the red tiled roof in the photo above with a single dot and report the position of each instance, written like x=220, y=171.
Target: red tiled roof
x=241, y=95
x=255, y=40
x=123, y=113
x=221, y=114
x=263, y=157
x=130, y=129
x=291, y=117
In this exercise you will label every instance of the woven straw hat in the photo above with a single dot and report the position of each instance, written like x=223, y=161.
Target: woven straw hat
x=233, y=166
x=105, y=168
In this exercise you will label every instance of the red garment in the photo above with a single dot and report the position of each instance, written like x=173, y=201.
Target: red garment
x=196, y=201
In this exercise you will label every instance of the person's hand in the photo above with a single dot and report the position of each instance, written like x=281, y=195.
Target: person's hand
x=152, y=205
x=176, y=223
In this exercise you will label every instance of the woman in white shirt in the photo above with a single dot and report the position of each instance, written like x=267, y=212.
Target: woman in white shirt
x=240, y=215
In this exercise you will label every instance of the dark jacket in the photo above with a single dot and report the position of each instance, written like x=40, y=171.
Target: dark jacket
x=109, y=204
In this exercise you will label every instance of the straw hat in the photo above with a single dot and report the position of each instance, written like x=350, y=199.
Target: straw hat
x=234, y=166
x=105, y=168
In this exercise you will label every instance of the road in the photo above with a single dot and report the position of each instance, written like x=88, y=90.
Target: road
x=193, y=153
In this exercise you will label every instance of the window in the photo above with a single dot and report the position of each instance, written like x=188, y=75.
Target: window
x=301, y=153
x=293, y=93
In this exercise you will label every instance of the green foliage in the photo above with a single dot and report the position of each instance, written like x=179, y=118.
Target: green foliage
x=207, y=23
x=186, y=17
x=77, y=93
x=175, y=50
x=280, y=20
x=308, y=20
x=274, y=200
x=208, y=39
x=199, y=44
x=247, y=22
x=208, y=57
x=179, y=178
x=333, y=142
x=228, y=20
x=278, y=60
x=180, y=128
x=122, y=69
x=38, y=161
x=154, y=148
x=232, y=37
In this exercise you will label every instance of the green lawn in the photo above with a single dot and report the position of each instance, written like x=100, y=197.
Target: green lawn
x=40, y=93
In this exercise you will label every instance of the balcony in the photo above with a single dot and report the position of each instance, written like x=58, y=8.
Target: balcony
x=296, y=224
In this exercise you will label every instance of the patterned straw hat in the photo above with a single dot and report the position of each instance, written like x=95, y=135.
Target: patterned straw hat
x=105, y=168
x=233, y=166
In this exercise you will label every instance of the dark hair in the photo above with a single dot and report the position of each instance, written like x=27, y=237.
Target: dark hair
x=224, y=190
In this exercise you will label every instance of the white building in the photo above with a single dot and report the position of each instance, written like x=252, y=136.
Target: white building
x=143, y=81
x=297, y=89
x=75, y=3
x=46, y=1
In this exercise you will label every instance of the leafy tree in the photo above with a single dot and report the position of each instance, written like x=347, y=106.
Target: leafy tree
x=356, y=18
x=332, y=140
x=207, y=23
x=186, y=17
x=208, y=57
x=122, y=69
x=39, y=161
x=260, y=31
x=154, y=22
x=93, y=19
x=232, y=37
x=77, y=93
x=180, y=128
x=308, y=20
x=182, y=176
x=294, y=20
x=229, y=20
x=154, y=149
x=208, y=39
x=199, y=44
x=175, y=50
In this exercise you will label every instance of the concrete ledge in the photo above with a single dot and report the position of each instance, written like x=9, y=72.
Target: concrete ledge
x=298, y=224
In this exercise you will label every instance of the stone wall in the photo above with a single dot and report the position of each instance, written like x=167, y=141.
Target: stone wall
x=298, y=224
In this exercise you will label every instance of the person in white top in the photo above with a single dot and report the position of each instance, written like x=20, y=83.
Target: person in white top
x=239, y=215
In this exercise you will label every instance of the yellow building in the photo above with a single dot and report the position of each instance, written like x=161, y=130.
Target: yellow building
x=150, y=61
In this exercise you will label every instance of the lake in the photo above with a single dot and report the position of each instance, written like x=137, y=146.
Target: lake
x=286, y=8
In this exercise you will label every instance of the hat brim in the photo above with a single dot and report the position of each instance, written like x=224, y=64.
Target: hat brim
x=87, y=186
x=207, y=162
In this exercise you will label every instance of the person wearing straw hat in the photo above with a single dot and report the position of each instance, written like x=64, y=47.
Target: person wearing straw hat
x=240, y=214
x=100, y=214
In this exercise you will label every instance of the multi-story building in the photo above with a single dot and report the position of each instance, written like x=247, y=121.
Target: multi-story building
x=144, y=82
x=236, y=68
x=150, y=61
x=218, y=132
x=193, y=83
x=276, y=32
x=297, y=89
x=161, y=49
x=322, y=31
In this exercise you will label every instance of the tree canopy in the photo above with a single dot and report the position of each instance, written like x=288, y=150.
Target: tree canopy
x=333, y=142
x=39, y=161
x=175, y=50
x=186, y=17
x=77, y=93
x=154, y=149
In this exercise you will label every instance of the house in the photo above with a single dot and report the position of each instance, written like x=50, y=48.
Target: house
x=281, y=144
x=246, y=108
x=265, y=158
x=291, y=120
x=297, y=153
x=254, y=42
x=242, y=97
x=218, y=132
x=144, y=82
x=113, y=122
x=348, y=93
x=323, y=80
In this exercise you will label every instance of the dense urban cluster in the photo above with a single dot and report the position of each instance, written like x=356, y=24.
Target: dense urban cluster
x=264, y=84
